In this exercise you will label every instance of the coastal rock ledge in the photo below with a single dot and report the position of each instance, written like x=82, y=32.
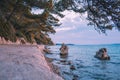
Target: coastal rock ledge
x=24, y=62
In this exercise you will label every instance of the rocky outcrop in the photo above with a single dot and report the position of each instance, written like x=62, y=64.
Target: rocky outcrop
x=24, y=62
x=18, y=41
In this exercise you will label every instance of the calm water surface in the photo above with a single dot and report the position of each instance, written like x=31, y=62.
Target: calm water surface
x=86, y=66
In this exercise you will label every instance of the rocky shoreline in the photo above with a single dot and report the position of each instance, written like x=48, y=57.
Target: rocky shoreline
x=25, y=62
x=53, y=67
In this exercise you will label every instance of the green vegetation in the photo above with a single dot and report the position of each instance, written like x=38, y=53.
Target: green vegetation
x=103, y=14
x=17, y=21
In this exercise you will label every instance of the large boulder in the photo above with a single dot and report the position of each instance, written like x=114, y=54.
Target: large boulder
x=102, y=54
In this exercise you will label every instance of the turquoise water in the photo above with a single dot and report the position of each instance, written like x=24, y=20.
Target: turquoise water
x=86, y=66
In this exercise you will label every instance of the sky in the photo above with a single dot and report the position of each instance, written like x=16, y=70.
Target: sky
x=74, y=30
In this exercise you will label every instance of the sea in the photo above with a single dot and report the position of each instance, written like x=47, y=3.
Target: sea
x=80, y=63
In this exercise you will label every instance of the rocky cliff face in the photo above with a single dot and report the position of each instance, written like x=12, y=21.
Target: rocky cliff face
x=18, y=41
x=24, y=62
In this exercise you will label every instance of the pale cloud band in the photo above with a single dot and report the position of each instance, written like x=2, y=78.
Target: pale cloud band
x=64, y=29
x=74, y=30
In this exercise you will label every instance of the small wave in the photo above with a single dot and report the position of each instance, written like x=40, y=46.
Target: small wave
x=115, y=63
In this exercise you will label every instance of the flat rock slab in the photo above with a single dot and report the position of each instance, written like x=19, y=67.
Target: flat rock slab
x=24, y=62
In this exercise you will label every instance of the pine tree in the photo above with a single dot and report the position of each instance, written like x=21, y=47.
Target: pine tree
x=103, y=14
x=16, y=20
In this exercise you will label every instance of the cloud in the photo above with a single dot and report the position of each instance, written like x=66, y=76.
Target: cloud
x=74, y=30
x=72, y=21
x=86, y=37
x=64, y=29
x=73, y=17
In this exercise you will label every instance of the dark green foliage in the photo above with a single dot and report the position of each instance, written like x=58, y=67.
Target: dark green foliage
x=16, y=19
x=103, y=14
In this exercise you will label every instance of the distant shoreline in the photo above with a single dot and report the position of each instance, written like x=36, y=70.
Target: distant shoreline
x=89, y=44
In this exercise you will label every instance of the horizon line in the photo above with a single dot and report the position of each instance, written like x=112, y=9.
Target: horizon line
x=90, y=44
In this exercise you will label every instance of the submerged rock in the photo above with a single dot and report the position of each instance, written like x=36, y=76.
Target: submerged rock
x=75, y=77
x=72, y=67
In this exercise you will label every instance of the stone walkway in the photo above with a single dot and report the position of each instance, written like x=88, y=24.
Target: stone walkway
x=24, y=62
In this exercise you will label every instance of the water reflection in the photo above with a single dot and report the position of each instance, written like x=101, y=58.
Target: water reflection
x=64, y=56
x=103, y=65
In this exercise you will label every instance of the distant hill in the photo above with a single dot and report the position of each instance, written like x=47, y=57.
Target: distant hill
x=61, y=44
